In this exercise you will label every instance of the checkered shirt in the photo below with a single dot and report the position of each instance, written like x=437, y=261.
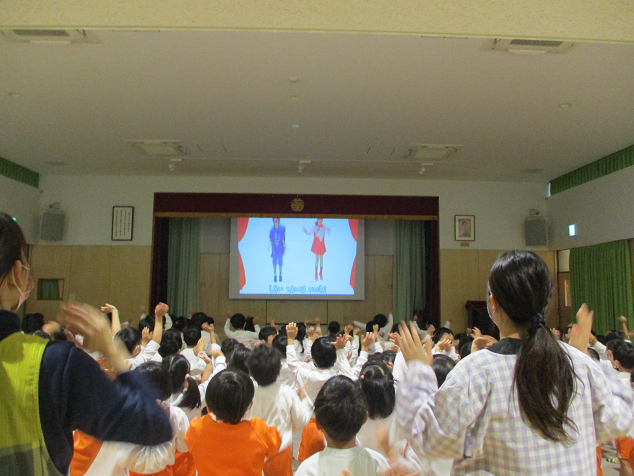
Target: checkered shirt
x=475, y=418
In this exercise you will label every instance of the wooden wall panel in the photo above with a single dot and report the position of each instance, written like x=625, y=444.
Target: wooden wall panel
x=486, y=258
x=48, y=262
x=383, y=284
x=552, y=312
x=360, y=310
x=90, y=274
x=459, y=273
x=130, y=280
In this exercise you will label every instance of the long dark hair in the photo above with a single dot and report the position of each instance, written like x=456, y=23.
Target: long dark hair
x=178, y=368
x=544, y=376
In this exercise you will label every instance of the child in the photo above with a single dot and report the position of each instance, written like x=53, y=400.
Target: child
x=171, y=343
x=238, y=321
x=206, y=326
x=328, y=360
x=267, y=334
x=278, y=405
x=443, y=340
x=286, y=374
x=340, y=411
x=195, y=345
x=238, y=359
x=159, y=375
x=185, y=394
x=385, y=325
x=622, y=359
x=132, y=339
x=222, y=443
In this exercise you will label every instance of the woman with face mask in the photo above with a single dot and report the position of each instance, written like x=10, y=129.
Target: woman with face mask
x=48, y=389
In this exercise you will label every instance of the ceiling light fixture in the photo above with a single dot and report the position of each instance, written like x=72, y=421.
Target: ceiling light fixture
x=293, y=79
x=564, y=105
x=295, y=126
x=158, y=148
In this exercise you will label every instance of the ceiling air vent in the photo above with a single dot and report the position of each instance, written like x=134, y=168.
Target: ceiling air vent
x=158, y=148
x=431, y=152
x=532, y=47
x=49, y=37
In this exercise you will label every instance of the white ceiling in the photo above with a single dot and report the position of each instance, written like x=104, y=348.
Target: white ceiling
x=227, y=96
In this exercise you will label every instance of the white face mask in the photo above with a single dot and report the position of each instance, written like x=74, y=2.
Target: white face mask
x=24, y=295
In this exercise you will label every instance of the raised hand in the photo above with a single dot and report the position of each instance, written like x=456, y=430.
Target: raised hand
x=161, y=309
x=367, y=340
x=411, y=346
x=482, y=342
x=580, y=332
x=310, y=333
x=205, y=357
x=256, y=320
x=340, y=343
x=291, y=332
x=108, y=308
x=348, y=328
x=200, y=345
x=431, y=330
x=445, y=343
x=477, y=332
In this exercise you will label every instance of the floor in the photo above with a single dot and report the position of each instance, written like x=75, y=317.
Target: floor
x=609, y=463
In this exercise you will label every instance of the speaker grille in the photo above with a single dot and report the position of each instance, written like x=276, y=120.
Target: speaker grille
x=536, y=232
x=52, y=226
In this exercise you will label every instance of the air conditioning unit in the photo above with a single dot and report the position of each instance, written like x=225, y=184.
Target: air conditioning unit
x=49, y=37
x=535, y=47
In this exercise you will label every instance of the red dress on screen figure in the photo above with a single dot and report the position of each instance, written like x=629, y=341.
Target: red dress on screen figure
x=319, y=245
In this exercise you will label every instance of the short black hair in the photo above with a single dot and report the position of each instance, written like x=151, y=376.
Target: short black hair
x=159, y=375
x=442, y=365
x=238, y=321
x=380, y=319
x=614, y=334
x=130, y=337
x=171, y=343
x=229, y=395
x=377, y=384
x=191, y=336
x=279, y=343
x=333, y=327
x=624, y=353
x=42, y=334
x=341, y=408
x=465, y=350
x=148, y=322
x=248, y=324
x=238, y=359
x=227, y=347
x=265, y=332
x=264, y=365
x=440, y=332
x=324, y=353
x=32, y=322
x=200, y=318
x=369, y=327
x=179, y=323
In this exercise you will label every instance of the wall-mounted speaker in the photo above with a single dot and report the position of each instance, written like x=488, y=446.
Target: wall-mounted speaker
x=536, y=232
x=52, y=226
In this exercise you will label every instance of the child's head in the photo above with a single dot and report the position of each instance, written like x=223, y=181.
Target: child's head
x=442, y=366
x=198, y=319
x=131, y=339
x=377, y=384
x=227, y=347
x=381, y=320
x=179, y=323
x=594, y=354
x=324, y=353
x=178, y=369
x=171, y=343
x=238, y=321
x=248, y=324
x=614, y=334
x=465, y=350
x=267, y=333
x=279, y=343
x=147, y=322
x=333, y=328
x=441, y=333
x=238, y=359
x=264, y=365
x=340, y=409
x=369, y=327
x=159, y=375
x=229, y=395
x=191, y=336
x=623, y=355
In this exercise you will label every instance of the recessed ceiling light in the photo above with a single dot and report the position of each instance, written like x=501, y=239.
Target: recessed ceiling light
x=564, y=105
x=293, y=79
x=295, y=125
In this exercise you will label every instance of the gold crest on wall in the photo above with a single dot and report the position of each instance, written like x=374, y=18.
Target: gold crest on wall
x=297, y=204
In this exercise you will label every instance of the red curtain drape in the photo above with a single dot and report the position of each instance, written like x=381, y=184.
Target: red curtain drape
x=243, y=223
x=354, y=229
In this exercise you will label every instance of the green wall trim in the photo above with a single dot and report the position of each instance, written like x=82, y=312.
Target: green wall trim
x=607, y=165
x=19, y=173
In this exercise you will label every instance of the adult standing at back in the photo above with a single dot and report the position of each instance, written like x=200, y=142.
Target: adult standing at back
x=49, y=389
x=527, y=405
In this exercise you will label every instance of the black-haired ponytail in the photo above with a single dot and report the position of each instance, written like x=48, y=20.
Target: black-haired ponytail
x=544, y=376
x=178, y=367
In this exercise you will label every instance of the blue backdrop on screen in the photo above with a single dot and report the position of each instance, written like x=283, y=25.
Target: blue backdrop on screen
x=300, y=257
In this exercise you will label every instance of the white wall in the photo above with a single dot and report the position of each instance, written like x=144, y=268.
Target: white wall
x=602, y=209
x=22, y=202
x=499, y=207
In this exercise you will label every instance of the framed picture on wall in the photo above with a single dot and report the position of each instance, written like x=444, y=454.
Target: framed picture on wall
x=122, y=223
x=464, y=226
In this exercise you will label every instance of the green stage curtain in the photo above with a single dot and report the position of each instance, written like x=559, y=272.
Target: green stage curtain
x=601, y=277
x=409, y=270
x=183, y=258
